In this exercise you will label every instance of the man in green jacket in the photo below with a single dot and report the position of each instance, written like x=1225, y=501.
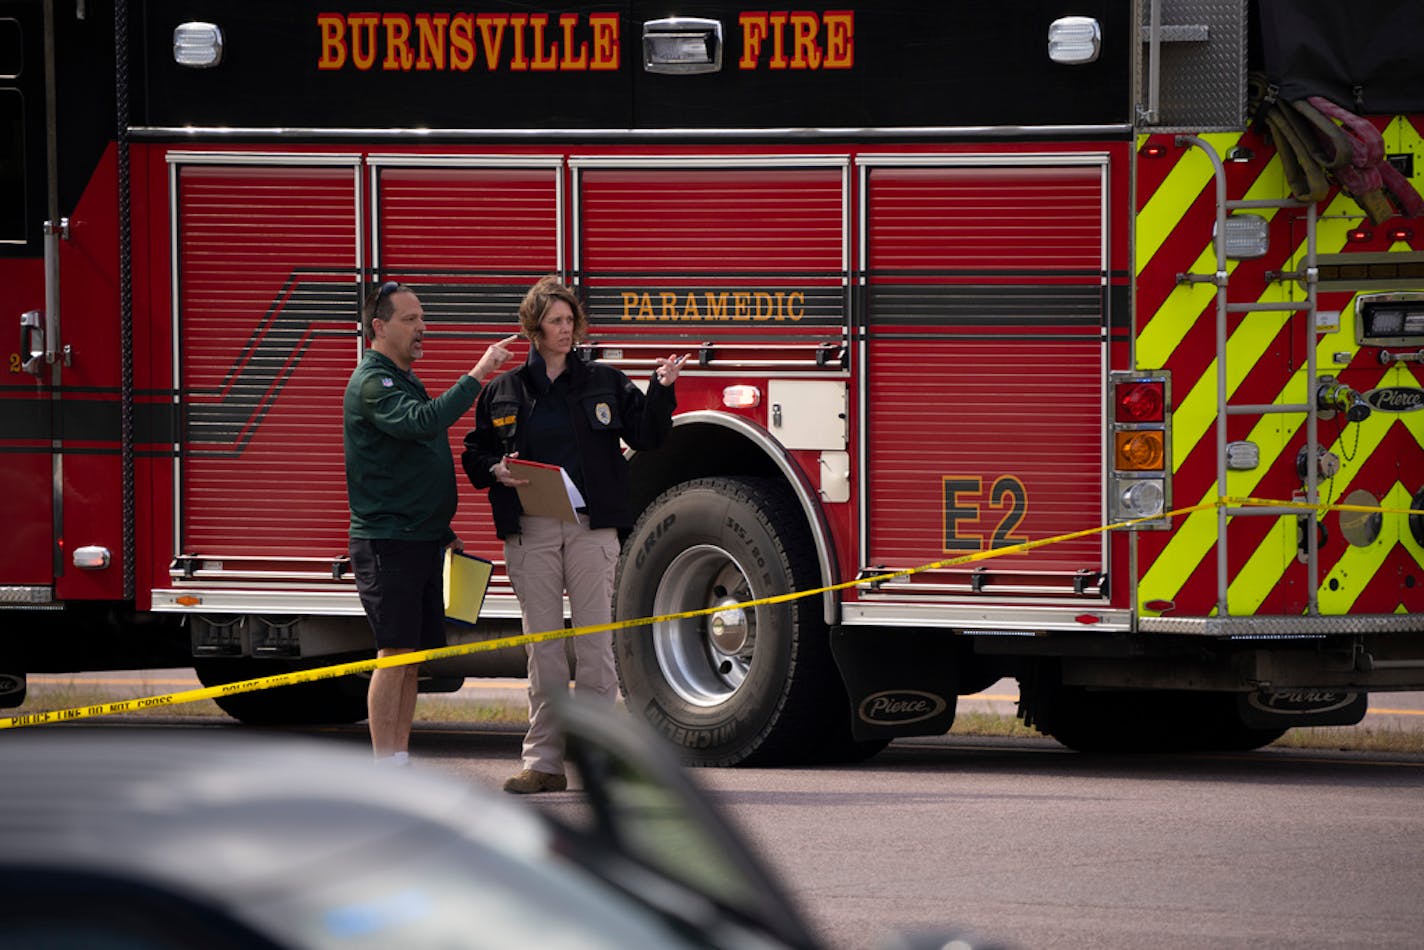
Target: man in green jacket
x=400, y=481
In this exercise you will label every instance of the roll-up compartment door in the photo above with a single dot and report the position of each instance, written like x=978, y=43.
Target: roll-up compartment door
x=268, y=296
x=985, y=399
x=470, y=239
x=733, y=263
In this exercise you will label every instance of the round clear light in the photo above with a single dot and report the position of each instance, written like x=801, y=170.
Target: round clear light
x=1142, y=499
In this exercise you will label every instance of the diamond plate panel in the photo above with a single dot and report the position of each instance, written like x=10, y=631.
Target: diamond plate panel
x=10, y=594
x=1202, y=72
x=1277, y=626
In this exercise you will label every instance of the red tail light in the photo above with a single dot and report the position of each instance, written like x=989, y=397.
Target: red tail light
x=1141, y=401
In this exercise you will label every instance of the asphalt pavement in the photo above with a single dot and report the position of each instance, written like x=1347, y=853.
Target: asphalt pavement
x=1403, y=710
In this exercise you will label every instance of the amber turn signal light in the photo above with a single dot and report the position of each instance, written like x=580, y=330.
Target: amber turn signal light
x=1138, y=451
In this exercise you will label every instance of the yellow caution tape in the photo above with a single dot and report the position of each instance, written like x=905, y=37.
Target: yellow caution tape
x=1322, y=508
x=420, y=656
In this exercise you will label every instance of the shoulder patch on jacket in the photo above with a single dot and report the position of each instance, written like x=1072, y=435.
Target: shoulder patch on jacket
x=505, y=420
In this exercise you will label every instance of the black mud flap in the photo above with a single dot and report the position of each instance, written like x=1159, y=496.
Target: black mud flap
x=12, y=690
x=1292, y=708
x=900, y=682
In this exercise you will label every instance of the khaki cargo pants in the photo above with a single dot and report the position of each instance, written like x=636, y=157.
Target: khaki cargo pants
x=548, y=558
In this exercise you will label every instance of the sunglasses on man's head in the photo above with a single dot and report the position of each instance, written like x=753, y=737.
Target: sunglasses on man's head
x=388, y=288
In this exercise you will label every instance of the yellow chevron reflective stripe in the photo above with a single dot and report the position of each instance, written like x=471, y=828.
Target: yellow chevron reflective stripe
x=1192, y=416
x=1195, y=416
x=1266, y=565
x=1264, y=569
x=1249, y=587
x=1357, y=442
x=1183, y=184
x=1159, y=335
x=1164, y=330
x=1401, y=136
x=1359, y=563
x=1196, y=536
x=1190, y=542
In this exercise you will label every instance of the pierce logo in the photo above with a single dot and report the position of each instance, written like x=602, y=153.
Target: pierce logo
x=900, y=706
x=1301, y=700
x=1395, y=398
x=11, y=684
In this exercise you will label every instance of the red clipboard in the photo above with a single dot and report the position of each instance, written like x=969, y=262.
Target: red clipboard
x=550, y=493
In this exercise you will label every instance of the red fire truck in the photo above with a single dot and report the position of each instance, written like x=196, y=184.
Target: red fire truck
x=957, y=278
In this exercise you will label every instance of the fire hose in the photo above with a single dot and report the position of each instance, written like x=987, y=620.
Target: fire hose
x=1313, y=149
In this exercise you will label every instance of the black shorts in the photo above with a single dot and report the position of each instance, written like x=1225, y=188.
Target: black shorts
x=401, y=584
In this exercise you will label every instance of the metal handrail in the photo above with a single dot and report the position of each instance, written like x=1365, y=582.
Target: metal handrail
x=1224, y=409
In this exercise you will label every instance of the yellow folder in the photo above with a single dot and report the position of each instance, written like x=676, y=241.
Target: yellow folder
x=466, y=579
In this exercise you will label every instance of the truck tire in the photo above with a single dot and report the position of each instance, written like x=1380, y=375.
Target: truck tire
x=1095, y=722
x=1217, y=725
x=322, y=702
x=741, y=686
x=1138, y=721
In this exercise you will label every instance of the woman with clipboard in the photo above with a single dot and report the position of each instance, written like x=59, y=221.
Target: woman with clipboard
x=561, y=410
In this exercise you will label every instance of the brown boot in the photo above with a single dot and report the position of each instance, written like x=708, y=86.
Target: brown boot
x=529, y=782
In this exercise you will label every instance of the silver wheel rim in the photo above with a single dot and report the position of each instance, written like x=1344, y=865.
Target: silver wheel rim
x=704, y=659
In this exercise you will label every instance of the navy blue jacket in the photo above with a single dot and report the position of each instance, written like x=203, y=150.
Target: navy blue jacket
x=605, y=408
